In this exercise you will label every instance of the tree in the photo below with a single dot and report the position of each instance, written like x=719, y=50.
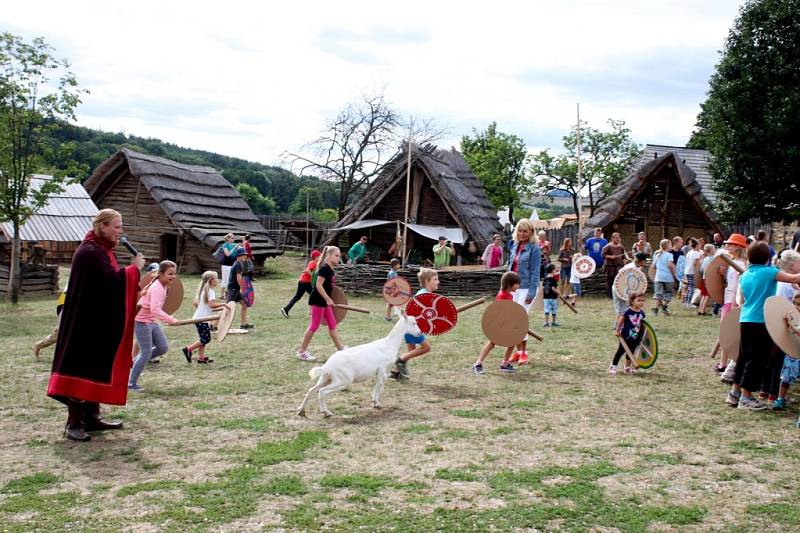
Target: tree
x=498, y=160
x=259, y=204
x=357, y=143
x=30, y=104
x=749, y=121
x=306, y=196
x=605, y=159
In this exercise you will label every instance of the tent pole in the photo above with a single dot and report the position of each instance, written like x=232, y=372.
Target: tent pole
x=408, y=195
x=580, y=172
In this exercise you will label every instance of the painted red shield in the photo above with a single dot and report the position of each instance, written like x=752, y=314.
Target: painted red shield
x=435, y=313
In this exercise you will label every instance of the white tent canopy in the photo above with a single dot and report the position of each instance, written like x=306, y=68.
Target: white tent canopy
x=454, y=235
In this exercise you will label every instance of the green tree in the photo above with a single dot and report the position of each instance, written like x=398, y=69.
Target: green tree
x=498, y=160
x=31, y=101
x=306, y=196
x=606, y=156
x=259, y=204
x=749, y=122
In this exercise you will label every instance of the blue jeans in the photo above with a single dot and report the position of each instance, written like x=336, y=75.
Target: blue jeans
x=152, y=343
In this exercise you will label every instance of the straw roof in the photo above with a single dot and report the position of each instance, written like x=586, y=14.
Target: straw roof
x=197, y=199
x=694, y=158
x=452, y=179
x=630, y=190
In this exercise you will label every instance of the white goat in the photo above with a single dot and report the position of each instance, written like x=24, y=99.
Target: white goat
x=359, y=363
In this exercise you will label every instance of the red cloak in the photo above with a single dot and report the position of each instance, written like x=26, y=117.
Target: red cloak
x=93, y=353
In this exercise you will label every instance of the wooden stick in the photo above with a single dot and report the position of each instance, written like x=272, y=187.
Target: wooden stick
x=351, y=308
x=470, y=305
x=732, y=263
x=535, y=335
x=715, y=349
x=568, y=304
x=632, y=357
x=211, y=318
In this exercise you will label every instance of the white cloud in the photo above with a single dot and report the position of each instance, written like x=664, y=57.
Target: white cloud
x=253, y=80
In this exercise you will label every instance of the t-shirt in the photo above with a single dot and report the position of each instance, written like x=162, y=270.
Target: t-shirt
x=786, y=290
x=631, y=324
x=594, y=247
x=573, y=276
x=503, y=295
x=496, y=257
x=328, y=279
x=675, y=255
x=391, y=274
x=614, y=249
x=691, y=257
x=732, y=282
x=441, y=255
x=233, y=283
x=305, y=277
x=203, y=309
x=565, y=258
x=229, y=259
x=548, y=285
x=757, y=284
x=357, y=252
x=663, y=273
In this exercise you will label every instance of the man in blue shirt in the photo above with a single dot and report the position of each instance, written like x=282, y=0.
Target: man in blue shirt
x=594, y=247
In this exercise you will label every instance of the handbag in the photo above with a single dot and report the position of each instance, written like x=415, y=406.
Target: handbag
x=219, y=255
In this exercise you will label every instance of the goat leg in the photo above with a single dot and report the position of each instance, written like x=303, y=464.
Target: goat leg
x=378, y=390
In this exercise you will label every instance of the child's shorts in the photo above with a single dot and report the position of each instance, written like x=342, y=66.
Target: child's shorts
x=790, y=371
x=413, y=339
x=204, y=332
x=663, y=291
x=550, y=306
x=576, y=288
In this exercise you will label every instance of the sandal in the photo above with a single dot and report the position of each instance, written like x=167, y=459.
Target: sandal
x=205, y=360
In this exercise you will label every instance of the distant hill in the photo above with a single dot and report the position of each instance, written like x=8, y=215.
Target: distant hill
x=282, y=186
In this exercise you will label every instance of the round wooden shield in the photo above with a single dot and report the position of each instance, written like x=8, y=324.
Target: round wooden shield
x=225, y=321
x=397, y=291
x=629, y=280
x=174, y=297
x=435, y=313
x=584, y=266
x=339, y=297
x=505, y=323
x=730, y=334
x=538, y=300
x=646, y=353
x=714, y=281
x=147, y=279
x=651, y=272
x=775, y=310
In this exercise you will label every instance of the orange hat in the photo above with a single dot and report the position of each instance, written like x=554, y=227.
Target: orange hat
x=737, y=239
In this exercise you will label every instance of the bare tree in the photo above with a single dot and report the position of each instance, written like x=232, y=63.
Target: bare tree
x=358, y=142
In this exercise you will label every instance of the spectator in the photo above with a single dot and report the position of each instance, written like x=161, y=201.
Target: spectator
x=565, y=262
x=719, y=242
x=358, y=252
x=493, y=254
x=642, y=246
x=546, y=248
x=761, y=236
x=442, y=253
x=594, y=247
x=614, y=259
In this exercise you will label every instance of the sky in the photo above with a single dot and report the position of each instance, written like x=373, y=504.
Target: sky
x=257, y=79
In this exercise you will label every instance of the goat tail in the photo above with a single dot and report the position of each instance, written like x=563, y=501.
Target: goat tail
x=315, y=372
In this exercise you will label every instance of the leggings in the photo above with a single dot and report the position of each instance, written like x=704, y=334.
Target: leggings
x=687, y=299
x=152, y=343
x=303, y=287
x=632, y=344
x=317, y=314
x=756, y=351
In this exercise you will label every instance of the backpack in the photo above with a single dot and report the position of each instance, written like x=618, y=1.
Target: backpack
x=219, y=255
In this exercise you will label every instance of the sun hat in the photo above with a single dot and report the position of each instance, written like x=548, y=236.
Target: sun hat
x=238, y=251
x=737, y=239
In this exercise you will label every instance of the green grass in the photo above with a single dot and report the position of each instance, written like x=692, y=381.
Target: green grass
x=558, y=446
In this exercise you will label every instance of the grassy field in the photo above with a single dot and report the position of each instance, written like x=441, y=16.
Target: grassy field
x=560, y=445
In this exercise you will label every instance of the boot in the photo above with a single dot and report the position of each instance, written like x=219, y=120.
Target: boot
x=92, y=420
x=74, y=428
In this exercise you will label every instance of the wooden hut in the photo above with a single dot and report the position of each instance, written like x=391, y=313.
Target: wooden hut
x=662, y=197
x=175, y=211
x=446, y=198
x=56, y=230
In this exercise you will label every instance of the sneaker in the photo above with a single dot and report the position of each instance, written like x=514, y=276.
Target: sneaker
x=387, y=318
x=751, y=404
x=514, y=357
x=477, y=369
x=555, y=324
x=135, y=387
x=402, y=368
x=732, y=399
x=187, y=354
x=546, y=325
x=205, y=360
x=719, y=369
x=612, y=369
x=779, y=404
x=506, y=367
x=154, y=360
x=666, y=311
x=284, y=312
x=630, y=370
x=247, y=326
x=306, y=356
x=523, y=358
x=763, y=396
x=655, y=311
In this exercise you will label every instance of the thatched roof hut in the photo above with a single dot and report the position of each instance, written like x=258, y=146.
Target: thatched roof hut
x=175, y=211
x=662, y=197
x=445, y=198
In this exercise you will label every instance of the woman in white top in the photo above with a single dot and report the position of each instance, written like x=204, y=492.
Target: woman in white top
x=693, y=258
x=735, y=246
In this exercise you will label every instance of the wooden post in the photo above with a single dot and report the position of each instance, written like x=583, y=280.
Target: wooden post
x=408, y=186
x=580, y=174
